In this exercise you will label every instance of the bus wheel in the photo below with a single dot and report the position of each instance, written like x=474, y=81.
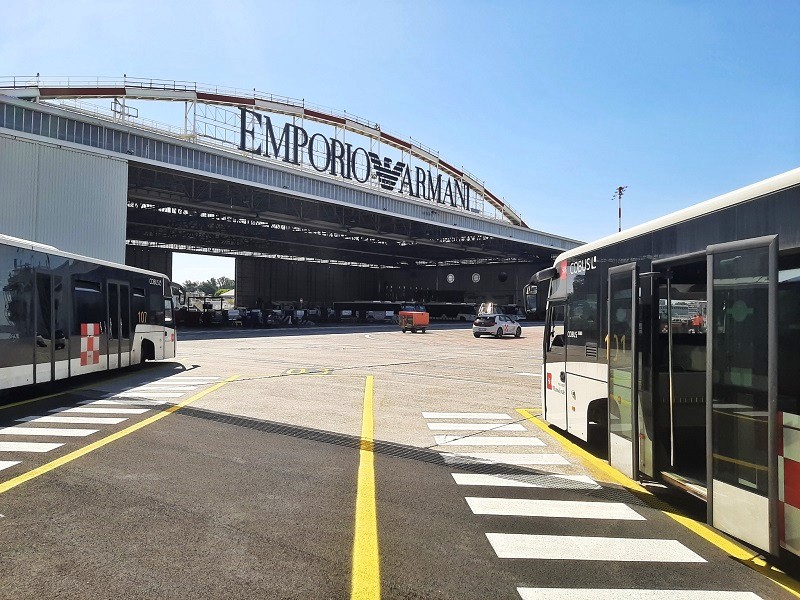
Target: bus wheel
x=518, y=332
x=477, y=334
x=499, y=332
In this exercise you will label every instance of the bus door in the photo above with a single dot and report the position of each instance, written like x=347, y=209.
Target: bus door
x=119, y=325
x=44, y=338
x=623, y=411
x=741, y=390
x=169, y=329
x=555, y=367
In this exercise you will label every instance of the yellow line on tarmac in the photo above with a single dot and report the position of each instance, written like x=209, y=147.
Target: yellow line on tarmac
x=366, y=580
x=743, y=555
x=67, y=458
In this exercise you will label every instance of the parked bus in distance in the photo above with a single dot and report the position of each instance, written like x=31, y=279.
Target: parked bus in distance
x=366, y=311
x=676, y=344
x=65, y=315
x=452, y=311
x=512, y=310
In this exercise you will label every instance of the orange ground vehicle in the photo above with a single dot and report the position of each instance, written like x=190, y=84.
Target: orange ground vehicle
x=413, y=320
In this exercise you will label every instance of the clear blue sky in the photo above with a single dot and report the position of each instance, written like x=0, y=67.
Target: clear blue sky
x=553, y=104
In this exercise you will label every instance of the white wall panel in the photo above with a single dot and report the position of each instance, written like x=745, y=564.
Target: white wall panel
x=18, y=161
x=66, y=198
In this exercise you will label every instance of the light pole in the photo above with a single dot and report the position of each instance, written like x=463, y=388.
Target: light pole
x=618, y=195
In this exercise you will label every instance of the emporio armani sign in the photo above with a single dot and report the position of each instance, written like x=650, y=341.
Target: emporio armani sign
x=294, y=145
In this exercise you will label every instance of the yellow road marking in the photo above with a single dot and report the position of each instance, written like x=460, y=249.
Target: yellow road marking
x=67, y=458
x=743, y=555
x=366, y=580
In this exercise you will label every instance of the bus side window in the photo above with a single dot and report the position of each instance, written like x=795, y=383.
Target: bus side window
x=556, y=325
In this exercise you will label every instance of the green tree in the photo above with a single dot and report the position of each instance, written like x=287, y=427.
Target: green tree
x=213, y=286
x=191, y=287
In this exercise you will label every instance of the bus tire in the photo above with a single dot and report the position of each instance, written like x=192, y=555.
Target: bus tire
x=147, y=351
x=477, y=335
x=499, y=333
x=518, y=332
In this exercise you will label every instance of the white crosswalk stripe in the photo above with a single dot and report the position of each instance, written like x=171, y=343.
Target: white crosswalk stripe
x=517, y=507
x=570, y=547
x=99, y=410
x=164, y=388
x=475, y=427
x=49, y=431
x=630, y=594
x=74, y=420
x=476, y=440
x=554, y=547
x=465, y=415
x=509, y=458
x=151, y=395
x=113, y=402
x=189, y=378
x=534, y=480
x=28, y=446
x=133, y=401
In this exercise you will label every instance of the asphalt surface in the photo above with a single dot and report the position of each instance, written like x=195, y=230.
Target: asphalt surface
x=249, y=491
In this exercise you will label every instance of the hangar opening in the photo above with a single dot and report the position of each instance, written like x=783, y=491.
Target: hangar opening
x=311, y=203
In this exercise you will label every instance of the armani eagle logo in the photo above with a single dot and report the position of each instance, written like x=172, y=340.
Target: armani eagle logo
x=387, y=175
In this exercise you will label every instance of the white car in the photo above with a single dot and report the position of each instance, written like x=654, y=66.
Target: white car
x=497, y=325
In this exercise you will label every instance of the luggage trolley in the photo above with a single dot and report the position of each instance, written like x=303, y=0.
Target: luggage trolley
x=413, y=320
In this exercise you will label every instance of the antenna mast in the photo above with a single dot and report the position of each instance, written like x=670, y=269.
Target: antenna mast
x=618, y=196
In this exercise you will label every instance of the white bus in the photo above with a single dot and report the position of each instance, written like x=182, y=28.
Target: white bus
x=64, y=315
x=677, y=344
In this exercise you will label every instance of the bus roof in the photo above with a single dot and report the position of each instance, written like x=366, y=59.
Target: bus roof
x=37, y=247
x=750, y=192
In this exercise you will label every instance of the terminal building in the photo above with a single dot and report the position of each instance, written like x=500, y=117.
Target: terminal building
x=312, y=203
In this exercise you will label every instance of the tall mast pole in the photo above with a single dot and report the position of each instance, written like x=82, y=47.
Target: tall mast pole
x=618, y=195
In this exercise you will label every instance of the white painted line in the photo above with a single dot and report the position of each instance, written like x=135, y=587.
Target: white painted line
x=572, y=547
x=98, y=410
x=74, y=420
x=533, y=480
x=111, y=402
x=564, y=509
x=630, y=594
x=477, y=440
x=517, y=459
x=475, y=427
x=185, y=378
x=465, y=415
x=50, y=431
x=529, y=374
x=150, y=395
x=171, y=383
x=162, y=388
x=4, y=464
x=27, y=446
